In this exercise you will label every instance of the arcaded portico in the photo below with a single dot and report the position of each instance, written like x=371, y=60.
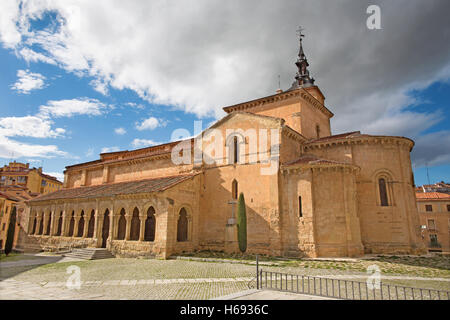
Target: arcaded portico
x=123, y=222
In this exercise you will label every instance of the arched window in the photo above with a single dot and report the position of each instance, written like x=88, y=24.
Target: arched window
x=81, y=225
x=182, y=227
x=33, y=231
x=122, y=225
x=91, y=225
x=41, y=225
x=135, y=225
x=150, y=225
x=235, y=149
x=318, y=131
x=234, y=189
x=71, y=224
x=60, y=220
x=383, y=192
x=49, y=223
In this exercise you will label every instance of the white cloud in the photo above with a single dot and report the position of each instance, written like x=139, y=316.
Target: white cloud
x=100, y=86
x=150, y=124
x=10, y=147
x=109, y=149
x=28, y=81
x=29, y=126
x=69, y=108
x=217, y=53
x=142, y=143
x=57, y=175
x=120, y=131
x=89, y=152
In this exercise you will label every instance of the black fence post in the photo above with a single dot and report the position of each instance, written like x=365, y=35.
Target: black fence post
x=257, y=273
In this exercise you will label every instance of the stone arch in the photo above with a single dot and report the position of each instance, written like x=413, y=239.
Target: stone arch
x=150, y=225
x=122, y=227
x=105, y=228
x=49, y=223
x=71, y=224
x=233, y=144
x=182, y=225
x=91, y=226
x=60, y=221
x=80, y=225
x=33, y=230
x=135, y=227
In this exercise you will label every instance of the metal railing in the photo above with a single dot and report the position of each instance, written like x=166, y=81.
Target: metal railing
x=341, y=288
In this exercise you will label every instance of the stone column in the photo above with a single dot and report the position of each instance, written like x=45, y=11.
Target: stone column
x=45, y=223
x=63, y=226
x=96, y=224
x=75, y=227
x=142, y=229
x=52, y=222
x=86, y=224
x=38, y=224
x=111, y=225
x=31, y=221
x=128, y=226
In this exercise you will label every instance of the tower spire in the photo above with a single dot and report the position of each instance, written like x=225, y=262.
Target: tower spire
x=302, y=78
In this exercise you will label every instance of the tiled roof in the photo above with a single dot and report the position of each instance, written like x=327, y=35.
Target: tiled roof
x=311, y=159
x=114, y=189
x=337, y=136
x=7, y=196
x=432, y=196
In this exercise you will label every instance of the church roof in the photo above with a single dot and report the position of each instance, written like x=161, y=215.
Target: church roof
x=115, y=189
x=309, y=159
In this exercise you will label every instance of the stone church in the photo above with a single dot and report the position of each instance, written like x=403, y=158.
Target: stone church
x=310, y=194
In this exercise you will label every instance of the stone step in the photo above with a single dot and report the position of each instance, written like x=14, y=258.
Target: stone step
x=89, y=253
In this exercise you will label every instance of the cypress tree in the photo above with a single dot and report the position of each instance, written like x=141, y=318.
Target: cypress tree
x=11, y=230
x=242, y=224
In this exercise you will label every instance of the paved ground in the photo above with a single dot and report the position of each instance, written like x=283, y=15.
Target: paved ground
x=45, y=277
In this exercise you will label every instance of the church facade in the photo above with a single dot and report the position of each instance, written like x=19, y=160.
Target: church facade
x=308, y=192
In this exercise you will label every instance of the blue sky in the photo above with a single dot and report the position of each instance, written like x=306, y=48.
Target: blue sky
x=74, y=82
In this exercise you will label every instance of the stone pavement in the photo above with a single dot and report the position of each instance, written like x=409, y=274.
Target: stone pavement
x=19, y=290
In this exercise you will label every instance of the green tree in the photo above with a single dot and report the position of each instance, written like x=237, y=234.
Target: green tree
x=11, y=230
x=242, y=224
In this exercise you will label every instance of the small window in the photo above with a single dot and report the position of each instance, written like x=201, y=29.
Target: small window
x=431, y=225
x=383, y=192
x=300, y=210
x=234, y=190
x=448, y=207
x=235, y=149
x=428, y=207
x=318, y=131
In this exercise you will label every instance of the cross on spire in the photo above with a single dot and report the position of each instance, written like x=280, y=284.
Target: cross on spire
x=302, y=78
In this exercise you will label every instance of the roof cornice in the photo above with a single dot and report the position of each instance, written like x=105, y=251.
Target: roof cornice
x=300, y=92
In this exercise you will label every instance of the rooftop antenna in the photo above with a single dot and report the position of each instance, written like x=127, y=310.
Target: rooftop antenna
x=428, y=175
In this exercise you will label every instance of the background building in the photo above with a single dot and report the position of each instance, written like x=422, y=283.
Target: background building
x=434, y=211
x=441, y=187
x=33, y=179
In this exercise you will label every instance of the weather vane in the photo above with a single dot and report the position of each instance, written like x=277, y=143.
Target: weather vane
x=300, y=32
